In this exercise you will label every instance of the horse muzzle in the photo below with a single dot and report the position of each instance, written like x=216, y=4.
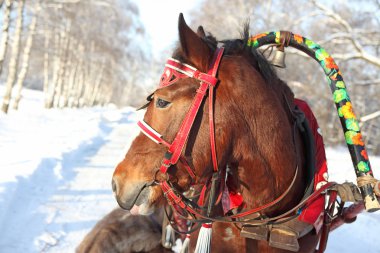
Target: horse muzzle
x=132, y=195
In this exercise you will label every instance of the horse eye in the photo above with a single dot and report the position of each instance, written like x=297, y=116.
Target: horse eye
x=160, y=103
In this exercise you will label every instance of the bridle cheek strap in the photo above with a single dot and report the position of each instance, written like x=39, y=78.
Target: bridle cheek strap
x=213, y=71
x=207, y=81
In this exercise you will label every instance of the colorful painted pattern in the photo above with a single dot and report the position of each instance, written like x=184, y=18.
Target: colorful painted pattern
x=341, y=98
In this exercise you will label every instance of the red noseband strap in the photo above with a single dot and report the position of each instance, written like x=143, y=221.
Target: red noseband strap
x=151, y=133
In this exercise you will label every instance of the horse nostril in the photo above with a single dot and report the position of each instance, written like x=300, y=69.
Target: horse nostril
x=114, y=186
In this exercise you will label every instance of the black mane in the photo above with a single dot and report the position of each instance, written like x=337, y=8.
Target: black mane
x=256, y=59
x=240, y=47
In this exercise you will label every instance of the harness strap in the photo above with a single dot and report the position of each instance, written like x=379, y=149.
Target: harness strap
x=260, y=208
x=254, y=222
x=327, y=221
x=213, y=71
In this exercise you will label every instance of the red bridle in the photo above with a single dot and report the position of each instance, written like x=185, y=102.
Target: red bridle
x=176, y=70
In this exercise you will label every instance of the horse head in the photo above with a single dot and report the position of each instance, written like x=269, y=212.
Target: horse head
x=253, y=133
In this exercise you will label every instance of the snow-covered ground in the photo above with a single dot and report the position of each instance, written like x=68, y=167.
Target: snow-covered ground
x=56, y=168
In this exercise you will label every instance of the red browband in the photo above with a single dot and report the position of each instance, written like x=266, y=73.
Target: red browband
x=175, y=70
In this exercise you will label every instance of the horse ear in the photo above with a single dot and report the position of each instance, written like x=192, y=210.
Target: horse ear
x=201, y=32
x=193, y=47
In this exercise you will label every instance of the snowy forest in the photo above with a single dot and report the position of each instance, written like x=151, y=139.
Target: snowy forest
x=68, y=50
x=72, y=73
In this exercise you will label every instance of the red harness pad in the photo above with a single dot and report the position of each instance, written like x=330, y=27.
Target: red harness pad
x=315, y=209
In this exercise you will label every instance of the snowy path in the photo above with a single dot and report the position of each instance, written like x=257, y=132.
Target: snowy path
x=52, y=209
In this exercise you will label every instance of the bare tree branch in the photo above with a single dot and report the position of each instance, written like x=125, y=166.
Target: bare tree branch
x=364, y=56
x=67, y=1
x=333, y=15
x=336, y=37
x=370, y=117
x=367, y=82
x=361, y=53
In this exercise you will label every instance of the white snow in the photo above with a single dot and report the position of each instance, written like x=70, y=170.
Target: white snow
x=55, y=173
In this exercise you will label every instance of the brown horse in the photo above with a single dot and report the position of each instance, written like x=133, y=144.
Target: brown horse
x=254, y=133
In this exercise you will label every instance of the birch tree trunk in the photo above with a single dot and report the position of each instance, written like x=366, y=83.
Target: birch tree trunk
x=98, y=96
x=109, y=94
x=84, y=83
x=90, y=68
x=78, y=78
x=62, y=70
x=5, y=32
x=25, y=57
x=56, y=66
x=97, y=84
x=80, y=86
x=71, y=82
x=14, y=57
x=69, y=73
x=46, y=68
x=72, y=79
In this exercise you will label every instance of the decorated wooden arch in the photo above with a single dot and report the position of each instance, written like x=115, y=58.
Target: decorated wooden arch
x=348, y=119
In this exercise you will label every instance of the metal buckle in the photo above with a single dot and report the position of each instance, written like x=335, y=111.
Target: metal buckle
x=168, y=155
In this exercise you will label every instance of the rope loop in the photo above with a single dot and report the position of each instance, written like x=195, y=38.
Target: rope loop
x=368, y=179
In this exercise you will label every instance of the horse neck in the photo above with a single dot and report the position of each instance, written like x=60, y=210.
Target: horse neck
x=265, y=153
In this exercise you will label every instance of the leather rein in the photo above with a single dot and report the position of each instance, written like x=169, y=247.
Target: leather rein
x=175, y=70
